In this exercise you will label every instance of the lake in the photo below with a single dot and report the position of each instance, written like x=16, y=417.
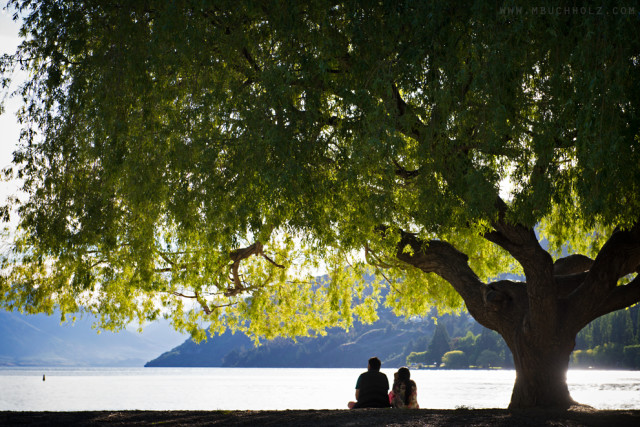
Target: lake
x=84, y=389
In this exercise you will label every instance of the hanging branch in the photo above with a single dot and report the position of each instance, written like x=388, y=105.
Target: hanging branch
x=376, y=261
x=379, y=264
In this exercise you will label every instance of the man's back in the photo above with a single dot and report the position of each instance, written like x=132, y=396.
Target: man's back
x=373, y=387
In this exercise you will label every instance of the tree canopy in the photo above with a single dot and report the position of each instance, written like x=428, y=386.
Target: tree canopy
x=223, y=152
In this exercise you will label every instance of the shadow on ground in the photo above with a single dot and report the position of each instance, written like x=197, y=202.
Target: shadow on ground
x=361, y=417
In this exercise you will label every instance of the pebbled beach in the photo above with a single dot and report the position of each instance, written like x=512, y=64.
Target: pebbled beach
x=362, y=417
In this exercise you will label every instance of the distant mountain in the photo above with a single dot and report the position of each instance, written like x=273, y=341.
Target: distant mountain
x=40, y=340
x=612, y=341
x=209, y=353
x=390, y=338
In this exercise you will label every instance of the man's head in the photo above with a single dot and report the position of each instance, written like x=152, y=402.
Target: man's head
x=374, y=364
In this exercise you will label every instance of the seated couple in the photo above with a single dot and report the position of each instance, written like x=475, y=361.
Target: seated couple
x=372, y=387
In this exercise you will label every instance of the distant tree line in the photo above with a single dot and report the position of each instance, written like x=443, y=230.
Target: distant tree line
x=482, y=350
x=611, y=341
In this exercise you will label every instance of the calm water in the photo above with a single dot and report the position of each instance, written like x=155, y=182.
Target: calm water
x=79, y=389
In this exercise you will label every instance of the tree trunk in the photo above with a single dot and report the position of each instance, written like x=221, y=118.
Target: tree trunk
x=540, y=317
x=541, y=369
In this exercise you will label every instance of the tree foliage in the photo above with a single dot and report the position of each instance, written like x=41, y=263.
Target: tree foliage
x=455, y=359
x=439, y=345
x=222, y=152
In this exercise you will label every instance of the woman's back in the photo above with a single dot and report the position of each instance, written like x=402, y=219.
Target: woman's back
x=399, y=399
x=404, y=393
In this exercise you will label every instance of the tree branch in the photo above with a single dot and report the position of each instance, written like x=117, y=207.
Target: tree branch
x=508, y=300
x=237, y=257
x=570, y=273
x=250, y=60
x=521, y=242
x=404, y=173
x=197, y=297
x=568, y=283
x=619, y=256
x=621, y=297
x=572, y=264
x=452, y=265
x=405, y=114
x=203, y=304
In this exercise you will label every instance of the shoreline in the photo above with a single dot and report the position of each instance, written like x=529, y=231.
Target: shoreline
x=335, y=417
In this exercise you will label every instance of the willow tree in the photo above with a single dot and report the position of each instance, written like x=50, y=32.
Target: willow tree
x=220, y=154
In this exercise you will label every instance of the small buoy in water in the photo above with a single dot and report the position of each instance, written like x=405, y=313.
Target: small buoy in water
x=42, y=377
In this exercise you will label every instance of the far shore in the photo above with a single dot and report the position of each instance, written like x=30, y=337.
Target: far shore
x=362, y=417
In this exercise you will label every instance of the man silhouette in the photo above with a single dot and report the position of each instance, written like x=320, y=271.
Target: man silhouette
x=372, y=387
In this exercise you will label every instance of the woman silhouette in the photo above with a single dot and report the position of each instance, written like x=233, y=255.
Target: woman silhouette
x=404, y=393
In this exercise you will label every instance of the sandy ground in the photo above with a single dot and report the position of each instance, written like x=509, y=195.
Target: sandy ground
x=361, y=417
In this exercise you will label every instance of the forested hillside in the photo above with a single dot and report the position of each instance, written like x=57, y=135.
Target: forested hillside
x=391, y=338
x=612, y=341
x=448, y=341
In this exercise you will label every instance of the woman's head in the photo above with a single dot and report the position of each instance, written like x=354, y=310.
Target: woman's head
x=404, y=374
